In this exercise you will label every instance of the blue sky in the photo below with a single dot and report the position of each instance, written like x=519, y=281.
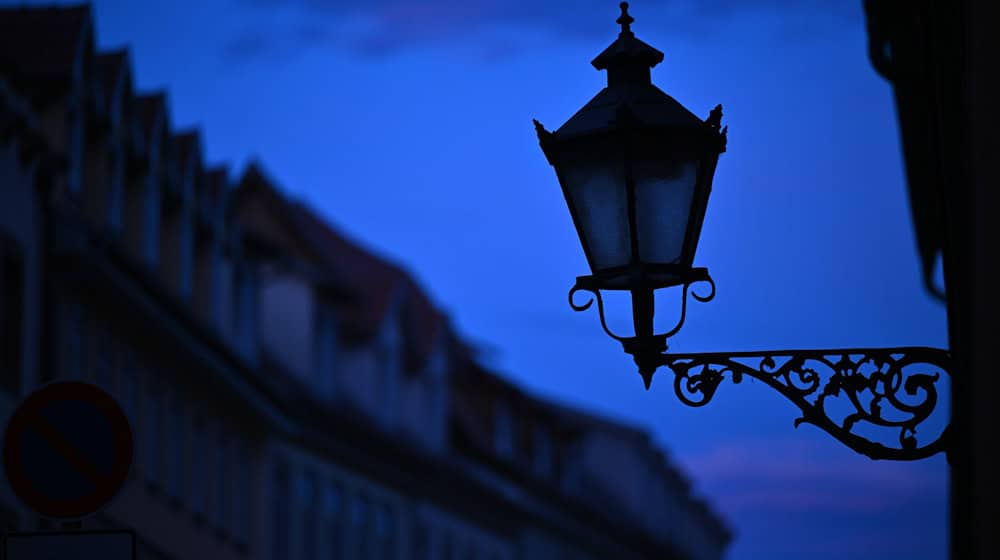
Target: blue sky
x=408, y=124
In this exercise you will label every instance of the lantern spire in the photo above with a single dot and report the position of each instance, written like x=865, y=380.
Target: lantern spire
x=625, y=20
x=627, y=59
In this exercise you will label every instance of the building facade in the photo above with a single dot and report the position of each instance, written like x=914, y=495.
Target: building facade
x=291, y=394
x=939, y=59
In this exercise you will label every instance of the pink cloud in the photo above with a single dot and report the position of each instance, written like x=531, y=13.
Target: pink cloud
x=801, y=476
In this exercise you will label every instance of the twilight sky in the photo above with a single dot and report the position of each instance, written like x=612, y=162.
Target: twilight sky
x=408, y=124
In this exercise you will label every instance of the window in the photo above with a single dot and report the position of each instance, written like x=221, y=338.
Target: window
x=175, y=435
x=385, y=532
x=128, y=389
x=243, y=493
x=333, y=519
x=361, y=526
x=75, y=151
x=244, y=308
x=128, y=396
x=199, y=453
x=388, y=370
x=73, y=337
x=279, y=511
x=449, y=546
x=185, y=253
x=222, y=480
x=116, y=194
x=438, y=402
x=420, y=541
x=306, y=496
x=326, y=348
x=103, y=359
x=11, y=314
x=206, y=288
x=543, y=453
x=503, y=430
x=154, y=434
x=151, y=211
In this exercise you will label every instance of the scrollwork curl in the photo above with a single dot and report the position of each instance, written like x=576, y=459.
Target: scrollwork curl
x=600, y=308
x=596, y=297
x=711, y=293
x=809, y=378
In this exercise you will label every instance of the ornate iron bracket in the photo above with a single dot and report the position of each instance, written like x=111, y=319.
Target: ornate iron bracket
x=857, y=395
x=891, y=391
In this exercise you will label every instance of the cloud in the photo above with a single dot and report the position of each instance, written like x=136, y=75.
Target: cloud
x=382, y=27
x=801, y=477
x=249, y=45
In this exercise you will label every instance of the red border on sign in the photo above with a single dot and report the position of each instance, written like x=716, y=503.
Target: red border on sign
x=107, y=484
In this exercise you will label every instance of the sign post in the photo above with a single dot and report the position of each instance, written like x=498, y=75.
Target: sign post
x=78, y=545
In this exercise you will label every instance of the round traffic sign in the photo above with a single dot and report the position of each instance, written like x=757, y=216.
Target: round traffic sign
x=67, y=450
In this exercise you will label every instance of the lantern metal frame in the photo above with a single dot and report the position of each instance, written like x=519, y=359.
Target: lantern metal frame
x=884, y=391
x=710, y=142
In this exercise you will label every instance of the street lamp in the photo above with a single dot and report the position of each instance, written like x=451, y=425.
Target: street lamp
x=636, y=170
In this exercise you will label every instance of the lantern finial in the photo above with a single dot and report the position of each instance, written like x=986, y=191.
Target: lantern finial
x=625, y=20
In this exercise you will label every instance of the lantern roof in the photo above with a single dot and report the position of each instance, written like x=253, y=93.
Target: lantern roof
x=628, y=61
x=649, y=105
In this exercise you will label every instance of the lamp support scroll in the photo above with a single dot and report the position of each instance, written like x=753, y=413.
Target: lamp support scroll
x=887, y=392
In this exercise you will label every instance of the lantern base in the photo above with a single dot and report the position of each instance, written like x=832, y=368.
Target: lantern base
x=640, y=343
x=642, y=277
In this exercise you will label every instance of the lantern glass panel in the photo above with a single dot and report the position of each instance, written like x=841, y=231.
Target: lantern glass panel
x=593, y=178
x=664, y=192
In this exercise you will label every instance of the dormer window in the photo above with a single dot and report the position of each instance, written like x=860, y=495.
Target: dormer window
x=74, y=147
x=325, y=349
x=206, y=280
x=199, y=471
x=151, y=221
x=385, y=532
x=361, y=526
x=280, y=509
x=437, y=398
x=503, y=430
x=73, y=335
x=221, y=511
x=333, y=518
x=116, y=192
x=245, y=308
x=103, y=373
x=307, y=491
x=388, y=369
x=185, y=254
x=542, y=453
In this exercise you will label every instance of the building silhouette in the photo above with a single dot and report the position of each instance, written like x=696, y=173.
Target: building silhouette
x=292, y=394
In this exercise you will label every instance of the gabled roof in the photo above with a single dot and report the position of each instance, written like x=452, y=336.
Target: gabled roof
x=111, y=67
x=150, y=107
x=423, y=324
x=217, y=178
x=19, y=123
x=371, y=283
x=216, y=184
x=476, y=387
x=374, y=281
x=186, y=143
x=40, y=43
x=576, y=419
